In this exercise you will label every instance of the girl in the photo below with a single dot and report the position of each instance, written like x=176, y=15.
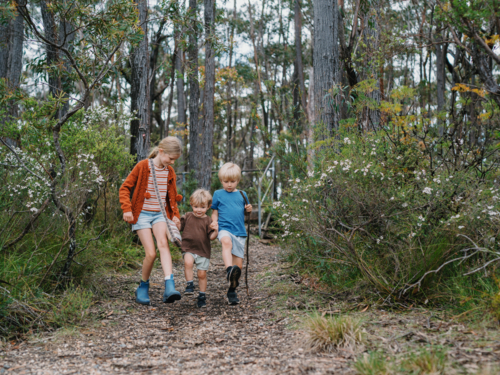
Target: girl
x=144, y=213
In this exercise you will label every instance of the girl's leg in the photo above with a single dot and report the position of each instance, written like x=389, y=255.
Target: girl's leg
x=160, y=232
x=188, y=267
x=150, y=249
x=237, y=261
x=227, y=246
x=202, y=280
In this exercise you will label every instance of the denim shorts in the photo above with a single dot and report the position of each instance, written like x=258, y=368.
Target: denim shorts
x=238, y=248
x=147, y=219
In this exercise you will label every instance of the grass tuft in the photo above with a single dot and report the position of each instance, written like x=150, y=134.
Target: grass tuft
x=426, y=362
x=330, y=333
x=73, y=306
x=373, y=364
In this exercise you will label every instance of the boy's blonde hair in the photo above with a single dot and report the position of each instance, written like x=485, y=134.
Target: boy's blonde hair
x=169, y=145
x=201, y=196
x=230, y=171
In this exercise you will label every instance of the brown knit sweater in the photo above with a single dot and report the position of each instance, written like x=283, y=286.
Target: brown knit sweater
x=137, y=181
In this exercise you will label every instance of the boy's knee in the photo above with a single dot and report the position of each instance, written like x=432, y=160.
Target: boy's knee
x=202, y=275
x=188, y=260
x=226, y=241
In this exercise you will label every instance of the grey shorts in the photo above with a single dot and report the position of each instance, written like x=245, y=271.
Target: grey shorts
x=201, y=263
x=238, y=248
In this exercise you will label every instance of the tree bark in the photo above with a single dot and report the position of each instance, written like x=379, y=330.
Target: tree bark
x=229, y=134
x=480, y=59
x=194, y=89
x=139, y=61
x=11, y=63
x=371, y=38
x=204, y=174
x=181, y=103
x=326, y=64
x=155, y=97
x=299, y=66
x=440, y=80
x=51, y=34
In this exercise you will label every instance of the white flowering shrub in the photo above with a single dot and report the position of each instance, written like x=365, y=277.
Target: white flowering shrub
x=386, y=213
x=95, y=154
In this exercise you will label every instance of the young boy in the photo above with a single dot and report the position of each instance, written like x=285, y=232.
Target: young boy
x=197, y=232
x=228, y=215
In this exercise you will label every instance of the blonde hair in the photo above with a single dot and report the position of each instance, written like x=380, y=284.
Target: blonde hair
x=169, y=145
x=201, y=196
x=230, y=171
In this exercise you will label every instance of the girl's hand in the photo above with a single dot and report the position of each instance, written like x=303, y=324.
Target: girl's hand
x=248, y=208
x=214, y=225
x=128, y=217
x=177, y=222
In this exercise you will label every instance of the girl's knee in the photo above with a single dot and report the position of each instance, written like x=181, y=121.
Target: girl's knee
x=150, y=256
x=162, y=245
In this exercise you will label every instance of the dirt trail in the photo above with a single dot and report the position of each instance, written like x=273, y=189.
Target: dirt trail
x=177, y=338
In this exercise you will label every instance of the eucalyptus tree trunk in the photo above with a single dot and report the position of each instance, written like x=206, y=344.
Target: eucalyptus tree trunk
x=11, y=62
x=440, y=79
x=204, y=174
x=326, y=65
x=371, y=40
x=299, y=85
x=140, y=95
x=181, y=102
x=229, y=134
x=155, y=96
x=51, y=34
x=194, y=89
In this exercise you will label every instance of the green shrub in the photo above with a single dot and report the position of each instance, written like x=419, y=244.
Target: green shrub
x=380, y=212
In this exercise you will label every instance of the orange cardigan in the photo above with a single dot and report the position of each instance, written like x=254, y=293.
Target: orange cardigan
x=138, y=179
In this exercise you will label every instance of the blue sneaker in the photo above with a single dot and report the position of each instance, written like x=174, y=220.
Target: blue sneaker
x=234, y=277
x=142, y=293
x=202, y=300
x=232, y=298
x=171, y=295
x=189, y=288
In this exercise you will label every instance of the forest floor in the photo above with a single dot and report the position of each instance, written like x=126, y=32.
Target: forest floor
x=262, y=335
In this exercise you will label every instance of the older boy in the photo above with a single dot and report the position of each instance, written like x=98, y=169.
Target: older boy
x=197, y=232
x=229, y=213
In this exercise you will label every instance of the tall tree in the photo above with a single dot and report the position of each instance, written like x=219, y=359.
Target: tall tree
x=326, y=64
x=204, y=174
x=181, y=102
x=229, y=97
x=11, y=61
x=139, y=91
x=441, y=49
x=194, y=88
x=299, y=85
x=154, y=91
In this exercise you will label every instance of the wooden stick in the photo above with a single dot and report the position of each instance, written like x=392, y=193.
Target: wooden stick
x=247, y=214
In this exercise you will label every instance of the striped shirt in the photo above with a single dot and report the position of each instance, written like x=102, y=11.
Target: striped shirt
x=151, y=203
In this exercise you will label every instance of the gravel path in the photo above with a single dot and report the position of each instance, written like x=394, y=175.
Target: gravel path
x=177, y=338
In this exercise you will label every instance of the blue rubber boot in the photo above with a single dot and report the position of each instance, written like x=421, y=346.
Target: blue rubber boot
x=171, y=295
x=142, y=293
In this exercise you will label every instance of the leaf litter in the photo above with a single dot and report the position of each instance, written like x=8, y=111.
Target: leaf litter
x=258, y=336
